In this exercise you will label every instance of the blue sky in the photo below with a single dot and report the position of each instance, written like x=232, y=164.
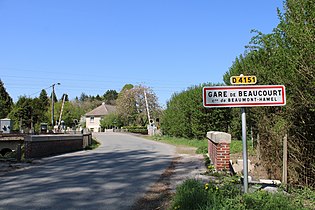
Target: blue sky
x=92, y=46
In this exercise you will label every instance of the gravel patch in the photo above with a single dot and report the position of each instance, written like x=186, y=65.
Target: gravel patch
x=187, y=165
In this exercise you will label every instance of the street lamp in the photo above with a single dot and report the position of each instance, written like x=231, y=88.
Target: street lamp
x=52, y=103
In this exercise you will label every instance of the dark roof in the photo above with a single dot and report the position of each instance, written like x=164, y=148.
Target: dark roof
x=102, y=110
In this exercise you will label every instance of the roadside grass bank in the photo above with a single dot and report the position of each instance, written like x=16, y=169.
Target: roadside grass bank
x=201, y=144
x=225, y=191
x=193, y=194
x=95, y=144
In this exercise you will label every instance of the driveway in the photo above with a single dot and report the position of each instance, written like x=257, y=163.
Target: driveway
x=113, y=176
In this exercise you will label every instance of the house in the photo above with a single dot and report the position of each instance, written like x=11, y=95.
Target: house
x=94, y=117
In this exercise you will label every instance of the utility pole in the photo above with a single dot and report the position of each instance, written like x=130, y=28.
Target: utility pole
x=53, y=104
x=150, y=127
x=63, y=103
x=147, y=105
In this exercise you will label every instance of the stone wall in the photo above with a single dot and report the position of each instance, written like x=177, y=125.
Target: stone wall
x=47, y=145
x=219, y=149
x=10, y=141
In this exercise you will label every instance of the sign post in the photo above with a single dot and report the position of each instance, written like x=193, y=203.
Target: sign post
x=246, y=80
x=244, y=96
x=244, y=141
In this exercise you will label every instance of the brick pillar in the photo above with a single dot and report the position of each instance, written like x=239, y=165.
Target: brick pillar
x=219, y=149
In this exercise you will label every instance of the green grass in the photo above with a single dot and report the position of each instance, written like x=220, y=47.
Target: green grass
x=202, y=145
x=193, y=194
x=236, y=146
x=95, y=144
x=305, y=195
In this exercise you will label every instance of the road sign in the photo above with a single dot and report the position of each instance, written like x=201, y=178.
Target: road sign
x=244, y=96
x=243, y=80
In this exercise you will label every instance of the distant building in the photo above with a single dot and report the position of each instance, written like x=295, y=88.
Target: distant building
x=93, y=118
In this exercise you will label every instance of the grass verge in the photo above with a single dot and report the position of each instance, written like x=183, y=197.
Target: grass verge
x=193, y=194
x=202, y=145
x=236, y=146
x=95, y=144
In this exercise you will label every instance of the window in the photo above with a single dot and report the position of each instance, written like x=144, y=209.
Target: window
x=91, y=119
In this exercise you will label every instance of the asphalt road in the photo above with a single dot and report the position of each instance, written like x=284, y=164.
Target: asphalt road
x=113, y=176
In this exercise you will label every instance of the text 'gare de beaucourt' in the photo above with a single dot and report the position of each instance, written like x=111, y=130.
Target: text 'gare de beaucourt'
x=238, y=96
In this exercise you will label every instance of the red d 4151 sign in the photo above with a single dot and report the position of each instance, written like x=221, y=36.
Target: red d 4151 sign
x=244, y=96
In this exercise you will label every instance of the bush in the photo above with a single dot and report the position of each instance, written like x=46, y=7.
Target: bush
x=186, y=117
x=137, y=129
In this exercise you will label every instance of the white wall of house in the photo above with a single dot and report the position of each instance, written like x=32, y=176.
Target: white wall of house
x=93, y=123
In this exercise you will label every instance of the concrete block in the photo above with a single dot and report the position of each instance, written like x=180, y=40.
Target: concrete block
x=219, y=137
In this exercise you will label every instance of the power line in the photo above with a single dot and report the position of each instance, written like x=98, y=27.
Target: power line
x=112, y=81
x=40, y=91
x=78, y=76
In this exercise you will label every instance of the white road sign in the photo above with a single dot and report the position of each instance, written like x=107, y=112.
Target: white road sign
x=244, y=96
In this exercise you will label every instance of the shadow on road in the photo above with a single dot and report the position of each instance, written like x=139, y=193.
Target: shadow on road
x=110, y=180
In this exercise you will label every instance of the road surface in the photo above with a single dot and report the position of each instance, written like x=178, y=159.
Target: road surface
x=113, y=176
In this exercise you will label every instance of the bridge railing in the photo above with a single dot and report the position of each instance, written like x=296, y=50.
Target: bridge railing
x=47, y=145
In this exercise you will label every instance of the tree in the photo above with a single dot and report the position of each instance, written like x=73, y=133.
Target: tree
x=98, y=97
x=185, y=116
x=44, y=100
x=110, y=121
x=55, y=96
x=131, y=105
x=71, y=111
x=6, y=102
x=83, y=97
x=127, y=87
x=22, y=113
x=110, y=97
x=41, y=105
x=64, y=95
x=286, y=56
